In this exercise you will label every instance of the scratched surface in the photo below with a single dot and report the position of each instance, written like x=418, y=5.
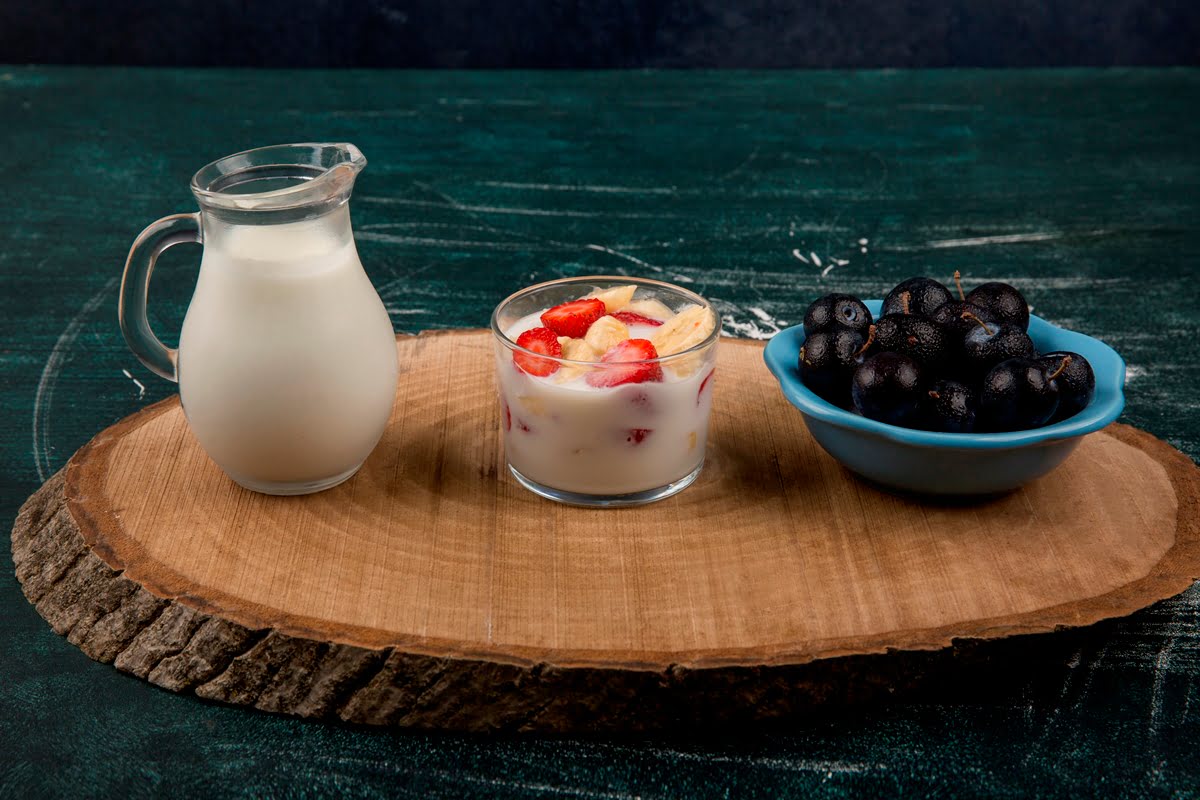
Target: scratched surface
x=759, y=190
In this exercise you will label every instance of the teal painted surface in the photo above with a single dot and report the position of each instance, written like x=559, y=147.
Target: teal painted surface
x=1081, y=187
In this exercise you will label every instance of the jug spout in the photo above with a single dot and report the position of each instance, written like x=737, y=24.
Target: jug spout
x=280, y=183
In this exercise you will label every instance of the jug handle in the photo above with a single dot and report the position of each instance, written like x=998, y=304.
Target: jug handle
x=135, y=288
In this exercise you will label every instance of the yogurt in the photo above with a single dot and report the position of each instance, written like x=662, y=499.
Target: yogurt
x=564, y=432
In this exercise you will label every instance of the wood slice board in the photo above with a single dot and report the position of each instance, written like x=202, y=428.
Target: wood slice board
x=432, y=590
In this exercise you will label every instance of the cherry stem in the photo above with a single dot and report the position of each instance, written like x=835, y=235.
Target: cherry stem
x=866, y=344
x=958, y=283
x=904, y=302
x=1066, y=360
x=978, y=321
x=802, y=354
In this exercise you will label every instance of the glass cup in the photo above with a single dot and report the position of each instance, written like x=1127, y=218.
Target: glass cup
x=602, y=434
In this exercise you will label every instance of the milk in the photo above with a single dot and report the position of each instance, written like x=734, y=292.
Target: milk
x=575, y=437
x=287, y=359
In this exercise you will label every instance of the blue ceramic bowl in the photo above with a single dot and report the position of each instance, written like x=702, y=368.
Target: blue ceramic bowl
x=933, y=463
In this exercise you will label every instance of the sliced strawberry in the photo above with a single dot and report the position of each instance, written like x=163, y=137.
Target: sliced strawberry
x=574, y=318
x=637, y=435
x=704, y=385
x=633, y=318
x=632, y=362
x=539, y=340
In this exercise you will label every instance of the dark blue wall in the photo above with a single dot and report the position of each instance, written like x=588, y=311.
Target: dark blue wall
x=601, y=33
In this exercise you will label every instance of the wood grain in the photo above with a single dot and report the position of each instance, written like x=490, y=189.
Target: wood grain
x=432, y=590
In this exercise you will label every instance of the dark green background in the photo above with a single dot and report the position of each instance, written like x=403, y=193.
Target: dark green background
x=1081, y=187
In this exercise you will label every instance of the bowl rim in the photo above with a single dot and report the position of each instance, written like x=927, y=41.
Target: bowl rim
x=783, y=349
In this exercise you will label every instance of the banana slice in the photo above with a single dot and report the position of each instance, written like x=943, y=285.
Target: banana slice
x=578, y=349
x=654, y=309
x=533, y=404
x=568, y=373
x=691, y=326
x=606, y=332
x=688, y=328
x=574, y=350
x=616, y=298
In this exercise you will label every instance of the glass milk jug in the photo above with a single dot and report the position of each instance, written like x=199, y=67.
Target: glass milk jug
x=287, y=359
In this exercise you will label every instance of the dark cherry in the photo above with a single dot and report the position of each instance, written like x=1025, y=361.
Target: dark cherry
x=931, y=360
x=916, y=337
x=987, y=344
x=1017, y=396
x=920, y=296
x=950, y=317
x=827, y=360
x=1003, y=302
x=950, y=406
x=887, y=387
x=1073, y=376
x=833, y=310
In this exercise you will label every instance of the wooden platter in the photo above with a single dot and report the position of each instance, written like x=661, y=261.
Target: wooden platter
x=431, y=590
